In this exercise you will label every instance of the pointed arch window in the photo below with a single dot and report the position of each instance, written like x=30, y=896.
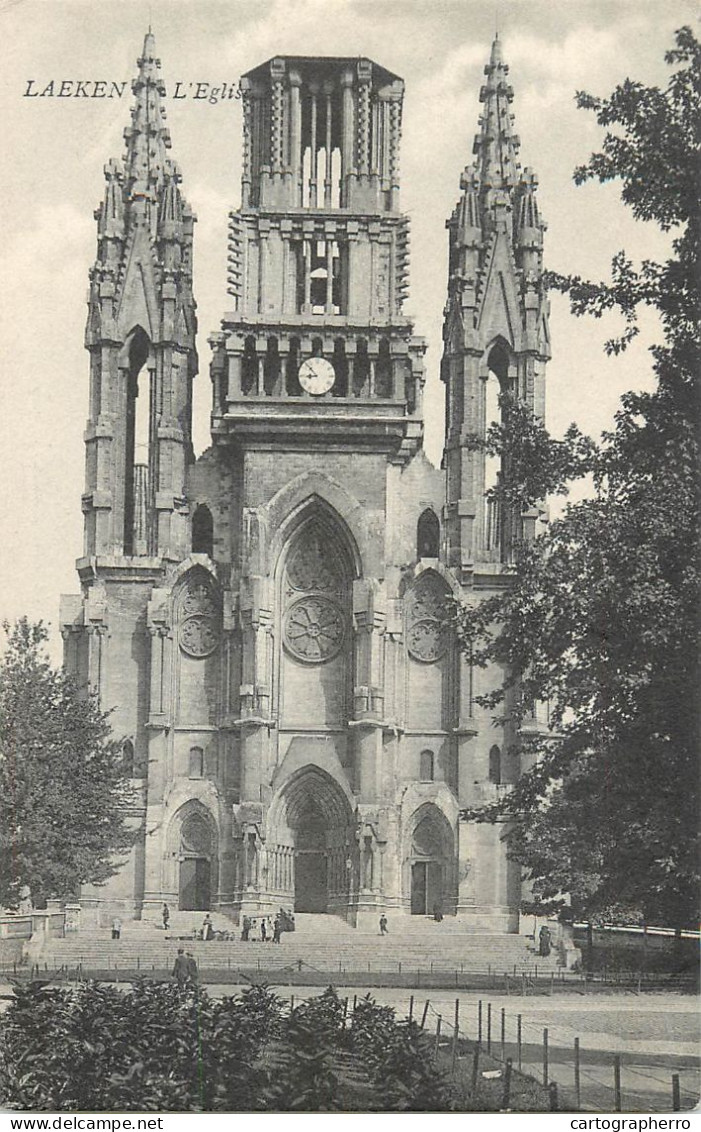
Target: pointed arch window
x=203, y=531
x=428, y=535
x=426, y=766
x=128, y=758
x=502, y=525
x=137, y=443
x=495, y=766
x=196, y=763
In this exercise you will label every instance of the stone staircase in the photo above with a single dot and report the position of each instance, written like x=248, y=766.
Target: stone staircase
x=319, y=943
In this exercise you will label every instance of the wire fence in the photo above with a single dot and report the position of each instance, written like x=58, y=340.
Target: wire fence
x=219, y=966
x=578, y=1077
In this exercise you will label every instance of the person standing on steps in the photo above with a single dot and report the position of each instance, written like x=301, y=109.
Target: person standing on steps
x=263, y=930
x=383, y=924
x=245, y=928
x=544, y=941
x=207, y=928
x=180, y=969
x=116, y=927
x=277, y=928
x=166, y=917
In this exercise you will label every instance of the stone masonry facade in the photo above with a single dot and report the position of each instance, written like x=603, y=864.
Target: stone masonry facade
x=267, y=622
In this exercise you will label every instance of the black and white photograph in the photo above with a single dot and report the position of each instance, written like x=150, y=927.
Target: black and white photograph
x=349, y=586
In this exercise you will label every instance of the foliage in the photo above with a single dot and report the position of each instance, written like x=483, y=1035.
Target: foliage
x=399, y=1057
x=63, y=791
x=152, y=1048
x=325, y=1013
x=306, y=1080
x=600, y=625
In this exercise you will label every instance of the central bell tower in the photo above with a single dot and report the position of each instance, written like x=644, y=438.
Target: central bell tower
x=317, y=349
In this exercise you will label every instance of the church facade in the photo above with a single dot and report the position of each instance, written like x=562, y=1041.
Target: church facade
x=266, y=622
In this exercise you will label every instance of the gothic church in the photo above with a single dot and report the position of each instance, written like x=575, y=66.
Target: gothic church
x=265, y=622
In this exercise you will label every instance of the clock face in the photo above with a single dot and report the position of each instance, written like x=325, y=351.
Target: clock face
x=316, y=376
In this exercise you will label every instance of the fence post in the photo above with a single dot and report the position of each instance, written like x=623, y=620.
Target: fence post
x=617, y=1083
x=355, y=1002
x=503, y=1032
x=577, y=1081
x=676, y=1094
x=489, y=1027
x=455, y=1050
x=438, y=1036
x=507, y=1085
x=411, y=1008
x=479, y=1023
x=345, y=1011
x=552, y=1089
x=519, y=1023
x=523, y=983
x=545, y=1056
x=506, y=983
x=457, y=1013
x=552, y=981
x=292, y=1003
x=423, y=1020
x=475, y=1070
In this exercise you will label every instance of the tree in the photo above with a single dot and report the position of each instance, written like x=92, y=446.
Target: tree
x=601, y=621
x=63, y=789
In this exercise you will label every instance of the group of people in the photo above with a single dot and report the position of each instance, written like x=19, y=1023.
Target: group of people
x=185, y=969
x=265, y=929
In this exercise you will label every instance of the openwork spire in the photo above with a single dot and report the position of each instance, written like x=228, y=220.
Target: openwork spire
x=496, y=146
x=147, y=137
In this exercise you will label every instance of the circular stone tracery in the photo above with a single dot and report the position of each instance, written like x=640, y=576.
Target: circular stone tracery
x=199, y=630
x=427, y=634
x=314, y=629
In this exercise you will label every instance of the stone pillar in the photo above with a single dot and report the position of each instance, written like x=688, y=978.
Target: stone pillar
x=296, y=137
x=347, y=131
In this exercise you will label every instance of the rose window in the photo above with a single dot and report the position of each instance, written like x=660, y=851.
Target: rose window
x=314, y=629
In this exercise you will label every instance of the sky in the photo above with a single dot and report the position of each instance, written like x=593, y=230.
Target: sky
x=51, y=181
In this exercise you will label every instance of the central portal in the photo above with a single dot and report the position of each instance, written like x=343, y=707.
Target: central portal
x=313, y=831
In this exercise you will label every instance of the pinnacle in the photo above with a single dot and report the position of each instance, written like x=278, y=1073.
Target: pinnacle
x=147, y=138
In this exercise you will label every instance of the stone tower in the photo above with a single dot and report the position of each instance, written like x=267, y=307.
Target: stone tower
x=266, y=622
x=495, y=332
x=140, y=335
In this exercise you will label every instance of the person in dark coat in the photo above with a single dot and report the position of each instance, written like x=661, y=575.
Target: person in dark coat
x=180, y=969
x=166, y=917
x=438, y=912
x=192, y=972
x=544, y=941
x=263, y=930
x=383, y=924
x=245, y=928
x=277, y=928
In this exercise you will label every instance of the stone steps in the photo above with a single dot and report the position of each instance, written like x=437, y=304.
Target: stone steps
x=314, y=945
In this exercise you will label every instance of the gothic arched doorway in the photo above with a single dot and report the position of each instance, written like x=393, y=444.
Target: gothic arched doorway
x=431, y=861
x=311, y=844
x=196, y=858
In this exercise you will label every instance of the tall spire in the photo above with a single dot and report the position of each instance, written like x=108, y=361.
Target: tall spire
x=147, y=137
x=497, y=145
